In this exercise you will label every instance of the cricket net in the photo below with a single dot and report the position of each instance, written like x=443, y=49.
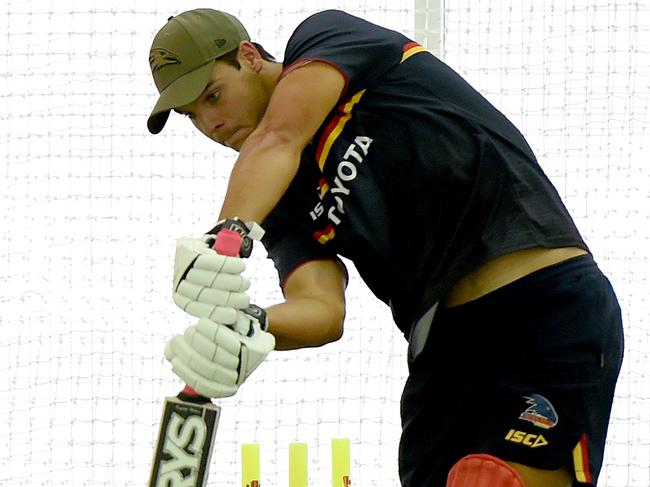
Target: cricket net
x=91, y=206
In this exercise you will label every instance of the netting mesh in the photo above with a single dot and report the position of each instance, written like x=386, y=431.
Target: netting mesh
x=92, y=205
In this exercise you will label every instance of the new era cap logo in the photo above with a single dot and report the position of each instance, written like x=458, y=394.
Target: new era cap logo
x=220, y=42
x=159, y=58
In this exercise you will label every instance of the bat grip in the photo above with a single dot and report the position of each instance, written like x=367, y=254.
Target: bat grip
x=188, y=391
x=228, y=242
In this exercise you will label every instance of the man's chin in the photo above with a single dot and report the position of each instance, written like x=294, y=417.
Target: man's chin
x=237, y=139
x=234, y=147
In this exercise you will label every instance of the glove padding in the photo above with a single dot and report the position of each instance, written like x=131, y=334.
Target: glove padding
x=205, y=281
x=214, y=358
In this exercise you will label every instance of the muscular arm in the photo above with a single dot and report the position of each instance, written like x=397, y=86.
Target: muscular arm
x=269, y=158
x=314, y=307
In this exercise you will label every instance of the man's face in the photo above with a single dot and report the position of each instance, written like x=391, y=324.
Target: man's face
x=231, y=106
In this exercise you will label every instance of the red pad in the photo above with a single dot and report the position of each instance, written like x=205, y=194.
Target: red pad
x=481, y=470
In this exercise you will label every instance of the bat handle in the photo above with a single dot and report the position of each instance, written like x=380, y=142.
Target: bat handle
x=190, y=395
x=188, y=391
x=228, y=242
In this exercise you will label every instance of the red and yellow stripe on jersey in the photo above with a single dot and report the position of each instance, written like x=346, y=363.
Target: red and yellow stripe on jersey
x=581, y=461
x=410, y=49
x=325, y=235
x=335, y=127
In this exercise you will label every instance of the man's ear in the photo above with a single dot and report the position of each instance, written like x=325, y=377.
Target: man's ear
x=248, y=55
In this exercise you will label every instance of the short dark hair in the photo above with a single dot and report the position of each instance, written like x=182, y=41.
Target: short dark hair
x=231, y=57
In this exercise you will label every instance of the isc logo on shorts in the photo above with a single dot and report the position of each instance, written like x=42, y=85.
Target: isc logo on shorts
x=527, y=439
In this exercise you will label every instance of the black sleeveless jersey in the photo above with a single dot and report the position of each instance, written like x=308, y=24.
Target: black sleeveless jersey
x=414, y=176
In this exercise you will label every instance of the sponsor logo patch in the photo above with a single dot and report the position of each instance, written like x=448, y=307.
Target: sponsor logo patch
x=530, y=440
x=540, y=412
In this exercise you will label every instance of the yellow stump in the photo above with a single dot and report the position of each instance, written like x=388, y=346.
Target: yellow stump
x=341, y=462
x=298, y=465
x=250, y=465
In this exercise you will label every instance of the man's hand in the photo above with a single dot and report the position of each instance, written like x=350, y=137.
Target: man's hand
x=205, y=282
x=214, y=358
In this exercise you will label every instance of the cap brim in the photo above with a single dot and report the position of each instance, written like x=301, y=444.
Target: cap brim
x=184, y=90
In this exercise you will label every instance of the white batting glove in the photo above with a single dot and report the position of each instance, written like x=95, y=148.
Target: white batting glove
x=213, y=358
x=205, y=282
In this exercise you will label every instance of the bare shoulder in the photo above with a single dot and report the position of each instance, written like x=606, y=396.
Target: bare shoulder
x=302, y=99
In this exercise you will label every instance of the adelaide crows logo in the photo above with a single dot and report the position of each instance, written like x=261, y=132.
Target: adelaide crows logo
x=159, y=58
x=541, y=412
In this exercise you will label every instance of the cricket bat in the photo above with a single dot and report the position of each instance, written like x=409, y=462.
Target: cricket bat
x=189, y=421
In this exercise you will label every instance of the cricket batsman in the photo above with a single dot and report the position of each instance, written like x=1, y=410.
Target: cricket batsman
x=362, y=144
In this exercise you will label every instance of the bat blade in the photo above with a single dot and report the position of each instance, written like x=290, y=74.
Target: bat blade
x=187, y=430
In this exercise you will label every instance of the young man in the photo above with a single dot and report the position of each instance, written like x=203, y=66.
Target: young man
x=362, y=144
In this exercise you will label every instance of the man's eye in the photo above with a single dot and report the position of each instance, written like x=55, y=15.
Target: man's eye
x=213, y=96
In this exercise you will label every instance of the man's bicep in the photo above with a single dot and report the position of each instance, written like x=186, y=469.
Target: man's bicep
x=323, y=279
x=302, y=100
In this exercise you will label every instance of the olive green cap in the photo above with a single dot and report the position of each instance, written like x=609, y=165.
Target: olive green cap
x=182, y=57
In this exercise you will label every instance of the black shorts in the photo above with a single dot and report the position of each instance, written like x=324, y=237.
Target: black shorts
x=526, y=373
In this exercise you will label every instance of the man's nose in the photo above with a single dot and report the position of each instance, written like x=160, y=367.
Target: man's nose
x=208, y=122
